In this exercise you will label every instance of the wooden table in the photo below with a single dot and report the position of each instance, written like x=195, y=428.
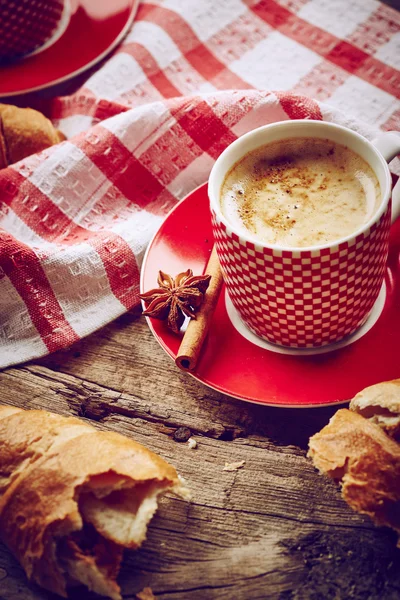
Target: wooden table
x=273, y=529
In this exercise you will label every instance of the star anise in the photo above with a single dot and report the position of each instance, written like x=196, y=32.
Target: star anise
x=176, y=298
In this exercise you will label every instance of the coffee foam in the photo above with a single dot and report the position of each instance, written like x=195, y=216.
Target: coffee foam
x=300, y=192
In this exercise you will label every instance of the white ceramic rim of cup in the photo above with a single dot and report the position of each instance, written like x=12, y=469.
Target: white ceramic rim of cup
x=256, y=138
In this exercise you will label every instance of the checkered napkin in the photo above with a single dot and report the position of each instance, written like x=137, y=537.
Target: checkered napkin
x=144, y=131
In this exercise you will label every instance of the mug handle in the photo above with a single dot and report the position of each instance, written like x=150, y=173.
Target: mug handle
x=388, y=145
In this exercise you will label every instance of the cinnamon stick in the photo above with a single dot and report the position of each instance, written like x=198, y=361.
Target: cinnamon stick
x=197, y=329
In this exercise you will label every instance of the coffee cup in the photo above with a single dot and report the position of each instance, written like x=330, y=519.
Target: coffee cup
x=30, y=26
x=310, y=296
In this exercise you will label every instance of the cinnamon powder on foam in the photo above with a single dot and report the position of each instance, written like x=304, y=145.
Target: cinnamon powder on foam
x=300, y=192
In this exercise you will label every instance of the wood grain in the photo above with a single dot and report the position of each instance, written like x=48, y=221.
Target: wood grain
x=273, y=529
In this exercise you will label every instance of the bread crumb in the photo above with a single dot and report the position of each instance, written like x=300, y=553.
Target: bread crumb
x=146, y=594
x=192, y=443
x=234, y=466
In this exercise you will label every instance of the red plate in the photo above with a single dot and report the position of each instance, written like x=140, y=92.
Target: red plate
x=94, y=29
x=233, y=365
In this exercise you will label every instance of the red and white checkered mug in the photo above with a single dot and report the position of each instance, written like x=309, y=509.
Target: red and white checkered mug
x=306, y=297
x=30, y=26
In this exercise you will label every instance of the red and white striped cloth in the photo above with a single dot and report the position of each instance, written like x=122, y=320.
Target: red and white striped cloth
x=145, y=129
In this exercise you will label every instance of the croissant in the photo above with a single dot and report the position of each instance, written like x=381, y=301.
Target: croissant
x=24, y=131
x=72, y=497
x=358, y=448
x=380, y=404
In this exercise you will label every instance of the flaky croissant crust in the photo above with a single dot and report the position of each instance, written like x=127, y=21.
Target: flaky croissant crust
x=24, y=131
x=359, y=449
x=71, y=497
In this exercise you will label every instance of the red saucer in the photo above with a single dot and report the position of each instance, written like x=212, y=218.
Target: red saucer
x=94, y=29
x=235, y=366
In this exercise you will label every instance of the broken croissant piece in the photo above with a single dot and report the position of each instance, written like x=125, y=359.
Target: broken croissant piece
x=380, y=404
x=24, y=131
x=356, y=449
x=72, y=497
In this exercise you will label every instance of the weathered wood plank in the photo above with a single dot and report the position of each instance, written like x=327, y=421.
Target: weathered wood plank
x=280, y=473
x=125, y=357
x=273, y=529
